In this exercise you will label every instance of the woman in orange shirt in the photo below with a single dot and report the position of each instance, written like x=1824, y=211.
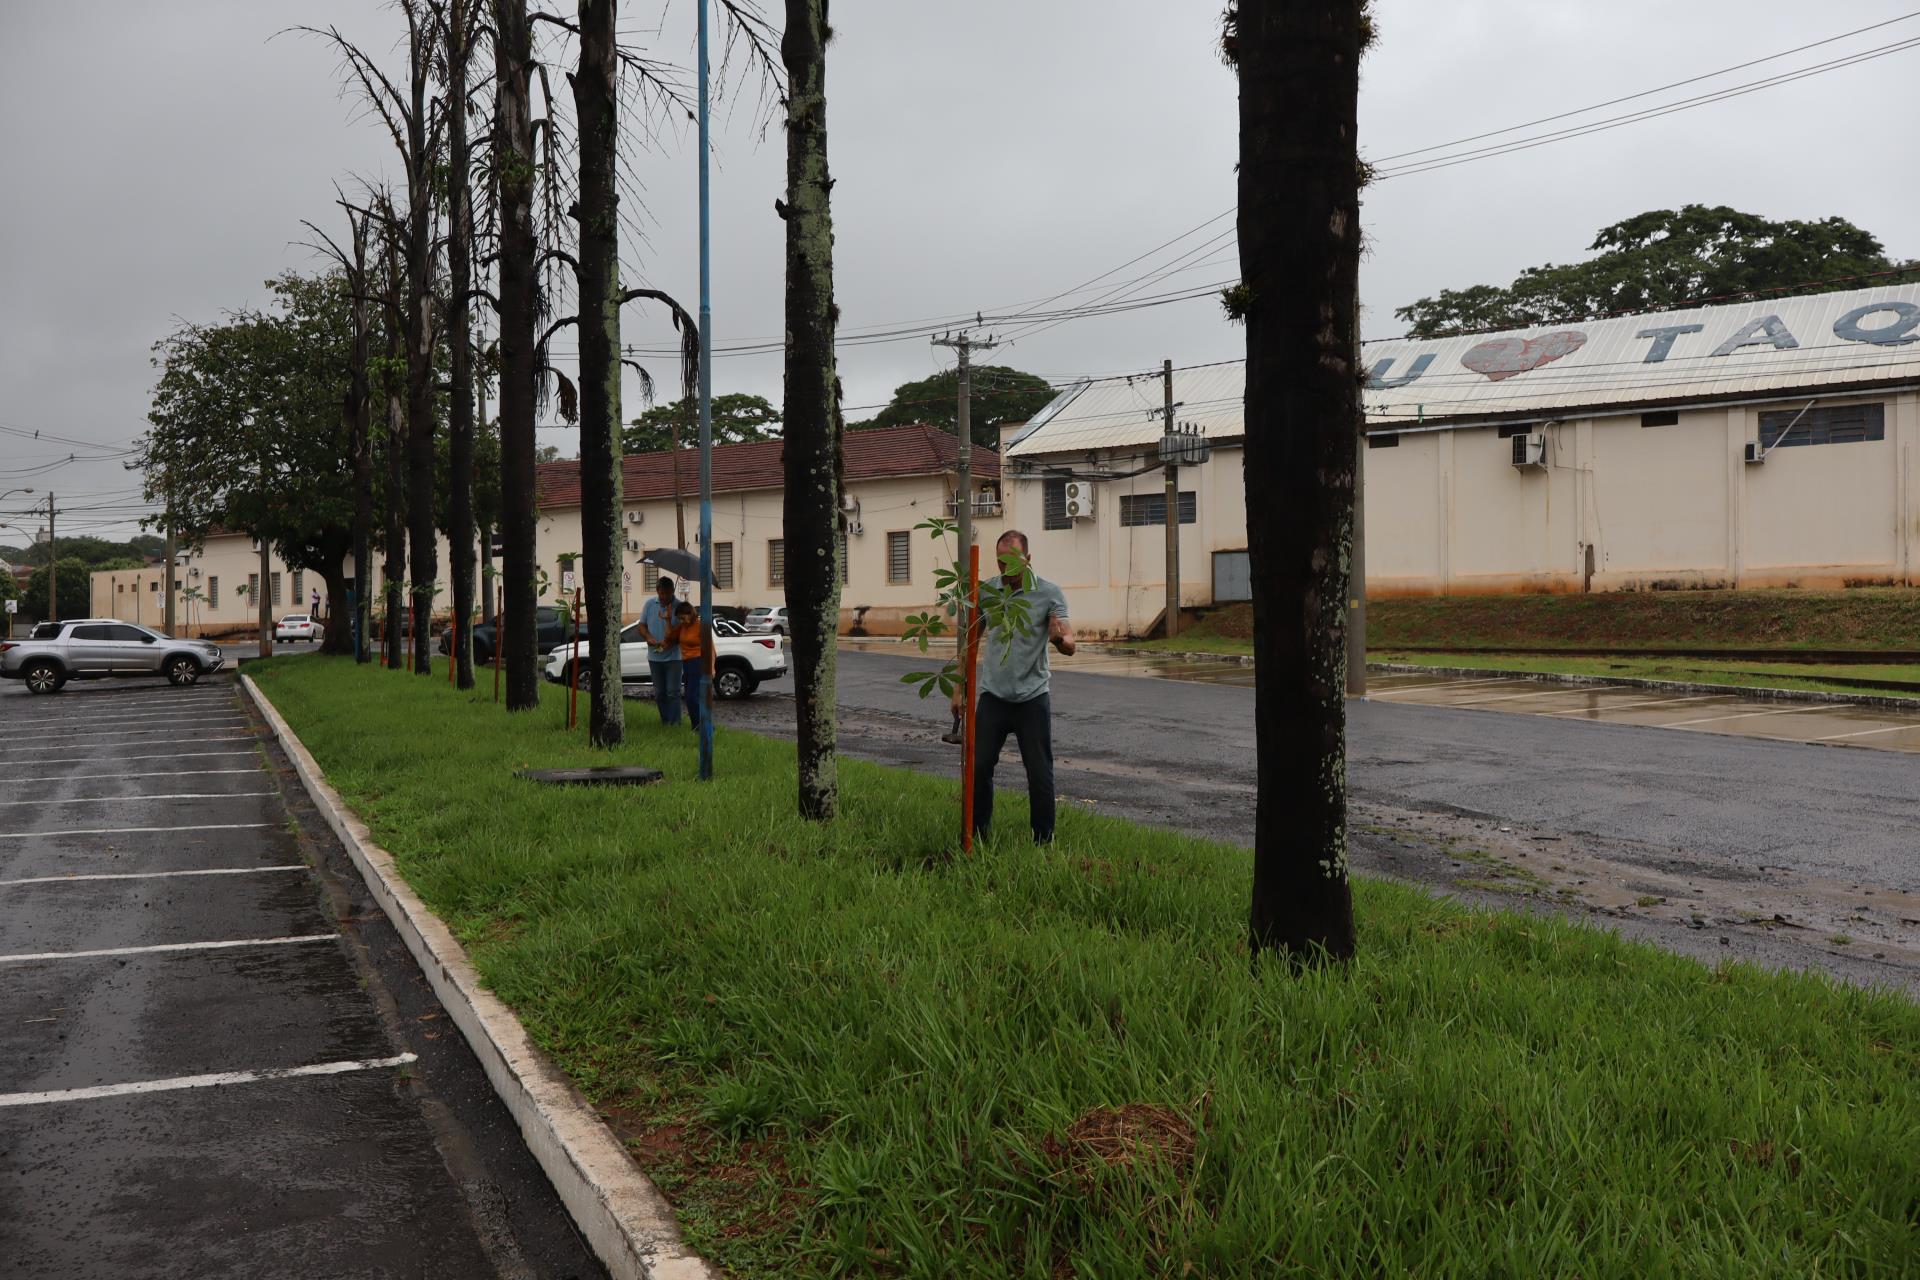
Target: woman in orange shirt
x=691, y=637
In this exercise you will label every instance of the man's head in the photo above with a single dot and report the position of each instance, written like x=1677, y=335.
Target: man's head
x=1013, y=543
x=665, y=588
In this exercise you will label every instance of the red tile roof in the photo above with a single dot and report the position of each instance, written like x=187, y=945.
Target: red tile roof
x=878, y=454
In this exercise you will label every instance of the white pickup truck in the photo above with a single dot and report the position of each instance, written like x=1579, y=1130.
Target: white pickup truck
x=740, y=661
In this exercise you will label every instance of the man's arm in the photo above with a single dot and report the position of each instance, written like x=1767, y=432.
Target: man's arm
x=1060, y=632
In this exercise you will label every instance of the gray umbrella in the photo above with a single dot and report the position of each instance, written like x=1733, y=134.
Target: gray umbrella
x=674, y=560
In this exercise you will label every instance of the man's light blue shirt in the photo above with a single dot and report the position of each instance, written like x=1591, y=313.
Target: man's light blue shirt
x=656, y=620
x=1018, y=670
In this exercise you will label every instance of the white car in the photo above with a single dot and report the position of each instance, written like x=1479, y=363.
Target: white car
x=296, y=626
x=768, y=620
x=740, y=661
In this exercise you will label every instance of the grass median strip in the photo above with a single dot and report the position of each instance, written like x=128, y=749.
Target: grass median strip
x=840, y=1054
x=1768, y=675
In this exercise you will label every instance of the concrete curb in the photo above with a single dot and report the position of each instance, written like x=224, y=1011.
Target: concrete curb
x=623, y=1216
x=1760, y=692
x=1181, y=655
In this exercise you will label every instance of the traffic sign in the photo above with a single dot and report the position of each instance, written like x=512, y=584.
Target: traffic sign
x=13, y=606
x=566, y=580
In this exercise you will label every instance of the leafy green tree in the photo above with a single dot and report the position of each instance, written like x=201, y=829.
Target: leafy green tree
x=76, y=587
x=1000, y=395
x=737, y=419
x=1664, y=259
x=97, y=552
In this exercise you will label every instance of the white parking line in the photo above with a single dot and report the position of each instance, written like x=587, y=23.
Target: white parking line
x=1442, y=684
x=157, y=773
x=200, y=1082
x=154, y=875
x=169, y=946
x=114, y=831
x=169, y=755
x=198, y=715
x=1865, y=733
x=177, y=795
x=1748, y=715
x=1622, y=706
x=131, y=733
x=1544, y=693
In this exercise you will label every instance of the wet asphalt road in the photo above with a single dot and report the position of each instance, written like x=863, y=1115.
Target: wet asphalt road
x=139, y=823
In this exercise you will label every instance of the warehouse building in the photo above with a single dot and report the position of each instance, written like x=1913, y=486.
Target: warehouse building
x=1757, y=444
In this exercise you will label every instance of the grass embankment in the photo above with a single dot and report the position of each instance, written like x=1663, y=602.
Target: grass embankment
x=840, y=1054
x=1769, y=675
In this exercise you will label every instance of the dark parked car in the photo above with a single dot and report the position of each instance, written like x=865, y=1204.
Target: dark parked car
x=551, y=627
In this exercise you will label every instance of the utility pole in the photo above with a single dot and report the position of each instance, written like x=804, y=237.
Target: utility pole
x=1173, y=510
x=168, y=585
x=965, y=345
x=1357, y=557
x=53, y=567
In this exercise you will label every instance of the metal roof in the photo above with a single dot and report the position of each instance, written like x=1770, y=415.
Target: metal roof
x=1863, y=337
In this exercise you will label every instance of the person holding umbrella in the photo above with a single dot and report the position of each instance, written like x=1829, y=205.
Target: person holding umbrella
x=663, y=654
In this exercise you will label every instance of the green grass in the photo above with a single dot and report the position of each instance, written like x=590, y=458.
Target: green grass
x=843, y=1055
x=1769, y=675
x=1864, y=618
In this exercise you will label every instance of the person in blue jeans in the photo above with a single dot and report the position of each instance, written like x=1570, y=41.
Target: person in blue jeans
x=691, y=637
x=1016, y=681
x=663, y=655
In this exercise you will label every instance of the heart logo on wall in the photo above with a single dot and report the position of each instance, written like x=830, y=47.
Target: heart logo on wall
x=1504, y=357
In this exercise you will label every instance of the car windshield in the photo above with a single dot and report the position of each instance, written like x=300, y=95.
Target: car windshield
x=46, y=631
x=762, y=612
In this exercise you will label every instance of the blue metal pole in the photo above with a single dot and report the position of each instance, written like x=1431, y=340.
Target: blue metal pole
x=706, y=412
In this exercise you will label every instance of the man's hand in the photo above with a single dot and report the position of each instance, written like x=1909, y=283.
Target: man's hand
x=958, y=700
x=1060, y=633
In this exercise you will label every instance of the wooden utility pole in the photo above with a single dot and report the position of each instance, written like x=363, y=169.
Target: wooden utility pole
x=53, y=567
x=964, y=346
x=1173, y=509
x=1357, y=583
x=168, y=584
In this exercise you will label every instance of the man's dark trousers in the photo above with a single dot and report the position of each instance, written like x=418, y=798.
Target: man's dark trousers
x=1031, y=724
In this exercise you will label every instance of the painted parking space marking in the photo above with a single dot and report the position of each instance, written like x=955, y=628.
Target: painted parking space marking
x=177, y=795
x=1749, y=715
x=171, y=755
x=1440, y=684
x=1544, y=693
x=227, y=944
x=1623, y=706
x=153, y=875
x=137, y=718
x=213, y=1081
x=1867, y=733
x=157, y=773
x=115, y=831
x=55, y=740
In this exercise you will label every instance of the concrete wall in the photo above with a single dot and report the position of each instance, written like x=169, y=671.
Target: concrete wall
x=1670, y=507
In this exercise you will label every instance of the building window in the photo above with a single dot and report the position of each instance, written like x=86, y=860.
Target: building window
x=1053, y=505
x=1661, y=418
x=1839, y=424
x=649, y=575
x=1138, y=509
x=253, y=587
x=723, y=566
x=276, y=589
x=776, y=562
x=899, y=557
x=154, y=585
x=299, y=582
x=1518, y=429
x=213, y=593
x=1384, y=440
x=843, y=559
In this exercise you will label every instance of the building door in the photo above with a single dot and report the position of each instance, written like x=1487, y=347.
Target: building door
x=1232, y=577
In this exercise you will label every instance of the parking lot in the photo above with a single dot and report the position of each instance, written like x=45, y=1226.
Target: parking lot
x=214, y=1059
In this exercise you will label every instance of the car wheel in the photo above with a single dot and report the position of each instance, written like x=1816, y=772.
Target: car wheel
x=43, y=677
x=183, y=671
x=731, y=683
x=780, y=631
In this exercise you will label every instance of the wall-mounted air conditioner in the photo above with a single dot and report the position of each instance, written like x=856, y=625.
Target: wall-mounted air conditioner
x=635, y=517
x=855, y=528
x=1754, y=453
x=1079, y=495
x=1529, y=451
x=633, y=544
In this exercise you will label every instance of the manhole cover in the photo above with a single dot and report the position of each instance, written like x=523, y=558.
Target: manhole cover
x=606, y=775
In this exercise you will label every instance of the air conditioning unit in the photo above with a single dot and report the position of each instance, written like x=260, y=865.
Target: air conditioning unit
x=1754, y=453
x=855, y=528
x=633, y=544
x=634, y=517
x=1079, y=499
x=1530, y=451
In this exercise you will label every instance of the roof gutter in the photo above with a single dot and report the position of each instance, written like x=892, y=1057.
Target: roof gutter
x=1573, y=414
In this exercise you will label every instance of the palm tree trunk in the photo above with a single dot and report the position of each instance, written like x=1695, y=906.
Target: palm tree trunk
x=595, y=104
x=420, y=338
x=514, y=161
x=396, y=538
x=460, y=533
x=1299, y=226
x=360, y=437
x=812, y=415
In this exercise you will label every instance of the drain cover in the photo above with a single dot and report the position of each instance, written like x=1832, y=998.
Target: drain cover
x=606, y=775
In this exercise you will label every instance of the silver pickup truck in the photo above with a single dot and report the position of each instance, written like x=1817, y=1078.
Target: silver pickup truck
x=94, y=648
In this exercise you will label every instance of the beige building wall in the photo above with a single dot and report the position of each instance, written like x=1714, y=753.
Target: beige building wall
x=1619, y=507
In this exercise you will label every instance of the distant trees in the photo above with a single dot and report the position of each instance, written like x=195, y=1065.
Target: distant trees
x=1000, y=395
x=737, y=419
x=1663, y=259
x=75, y=589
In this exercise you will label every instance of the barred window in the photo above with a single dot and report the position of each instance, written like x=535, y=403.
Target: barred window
x=1151, y=508
x=899, y=557
x=843, y=558
x=723, y=566
x=213, y=593
x=1053, y=505
x=1838, y=424
x=253, y=587
x=776, y=562
x=276, y=588
x=650, y=575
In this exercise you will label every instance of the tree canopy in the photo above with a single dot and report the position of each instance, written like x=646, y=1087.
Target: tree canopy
x=98, y=552
x=737, y=419
x=1000, y=395
x=76, y=587
x=1663, y=259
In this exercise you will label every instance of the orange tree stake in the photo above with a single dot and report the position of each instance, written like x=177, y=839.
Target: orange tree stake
x=573, y=678
x=967, y=705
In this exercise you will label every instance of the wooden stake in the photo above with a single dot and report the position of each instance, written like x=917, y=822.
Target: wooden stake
x=573, y=676
x=499, y=630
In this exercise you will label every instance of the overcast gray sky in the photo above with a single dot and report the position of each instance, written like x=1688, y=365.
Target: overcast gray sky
x=161, y=155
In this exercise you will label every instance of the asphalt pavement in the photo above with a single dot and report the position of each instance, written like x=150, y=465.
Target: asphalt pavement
x=1725, y=832
x=216, y=1059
